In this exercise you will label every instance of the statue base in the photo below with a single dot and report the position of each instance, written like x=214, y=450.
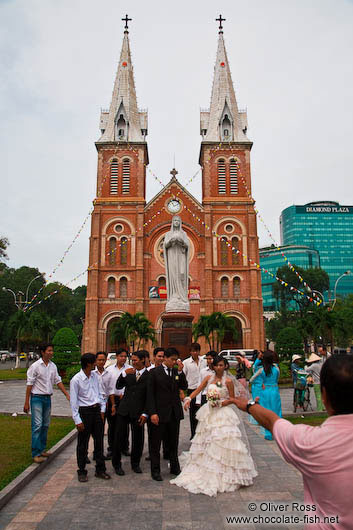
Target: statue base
x=177, y=332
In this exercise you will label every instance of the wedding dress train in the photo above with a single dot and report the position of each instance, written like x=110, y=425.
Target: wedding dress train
x=218, y=460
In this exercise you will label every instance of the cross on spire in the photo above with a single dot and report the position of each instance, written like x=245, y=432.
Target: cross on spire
x=220, y=20
x=126, y=20
x=174, y=172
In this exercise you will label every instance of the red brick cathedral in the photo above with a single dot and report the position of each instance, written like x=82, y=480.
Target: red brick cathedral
x=126, y=245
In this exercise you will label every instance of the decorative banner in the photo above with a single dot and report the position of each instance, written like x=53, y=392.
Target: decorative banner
x=162, y=291
x=194, y=293
x=153, y=292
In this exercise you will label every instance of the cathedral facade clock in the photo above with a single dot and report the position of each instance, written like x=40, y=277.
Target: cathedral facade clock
x=174, y=206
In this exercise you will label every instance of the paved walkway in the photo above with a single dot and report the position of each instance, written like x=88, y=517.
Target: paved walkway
x=55, y=499
x=12, y=396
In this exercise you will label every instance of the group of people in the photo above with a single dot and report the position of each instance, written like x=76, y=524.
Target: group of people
x=219, y=457
x=311, y=373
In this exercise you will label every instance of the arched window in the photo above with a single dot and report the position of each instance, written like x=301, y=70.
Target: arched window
x=123, y=287
x=224, y=252
x=233, y=172
x=114, y=177
x=112, y=251
x=123, y=251
x=224, y=287
x=126, y=176
x=121, y=127
x=221, y=166
x=236, y=287
x=111, y=288
x=162, y=281
x=226, y=127
x=235, y=255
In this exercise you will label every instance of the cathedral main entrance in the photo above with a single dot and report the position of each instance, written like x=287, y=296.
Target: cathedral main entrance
x=228, y=342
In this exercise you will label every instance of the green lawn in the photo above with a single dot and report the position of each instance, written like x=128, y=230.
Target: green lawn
x=16, y=373
x=308, y=420
x=15, y=448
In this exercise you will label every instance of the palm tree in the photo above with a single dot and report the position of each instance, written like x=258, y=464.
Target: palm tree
x=213, y=328
x=131, y=328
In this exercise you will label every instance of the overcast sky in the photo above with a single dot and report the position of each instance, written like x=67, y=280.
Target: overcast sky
x=291, y=63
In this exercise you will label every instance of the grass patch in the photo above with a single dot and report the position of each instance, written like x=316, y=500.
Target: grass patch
x=316, y=420
x=16, y=373
x=15, y=449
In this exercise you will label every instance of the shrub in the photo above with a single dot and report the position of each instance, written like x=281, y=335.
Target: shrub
x=288, y=343
x=70, y=372
x=66, y=349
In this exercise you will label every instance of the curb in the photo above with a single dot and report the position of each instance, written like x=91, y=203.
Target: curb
x=33, y=470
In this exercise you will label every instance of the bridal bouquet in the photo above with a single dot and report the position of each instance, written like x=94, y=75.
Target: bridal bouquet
x=213, y=396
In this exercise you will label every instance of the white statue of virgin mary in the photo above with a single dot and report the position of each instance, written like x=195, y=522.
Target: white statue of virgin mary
x=176, y=256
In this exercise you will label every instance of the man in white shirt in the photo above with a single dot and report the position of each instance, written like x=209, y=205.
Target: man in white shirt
x=104, y=380
x=41, y=377
x=88, y=408
x=204, y=372
x=115, y=370
x=192, y=368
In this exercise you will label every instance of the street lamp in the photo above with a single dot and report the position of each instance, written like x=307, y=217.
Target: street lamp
x=346, y=273
x=20, y=304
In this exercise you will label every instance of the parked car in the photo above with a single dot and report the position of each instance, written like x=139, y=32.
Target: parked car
x=231, y=356
x=4, y=356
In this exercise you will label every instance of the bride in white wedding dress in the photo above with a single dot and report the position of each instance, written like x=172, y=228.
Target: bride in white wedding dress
x=218, y=459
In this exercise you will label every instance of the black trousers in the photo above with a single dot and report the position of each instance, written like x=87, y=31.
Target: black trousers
x=192, y=414
x=169, y=430
x=121, y=432
x=92, y=420
x=165, y=441
x=203, y=399
x=112, y=426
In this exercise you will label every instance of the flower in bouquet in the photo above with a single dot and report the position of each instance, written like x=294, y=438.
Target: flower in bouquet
x=213, y=396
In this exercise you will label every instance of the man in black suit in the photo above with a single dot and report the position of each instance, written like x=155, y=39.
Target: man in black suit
x=165, y=410
x=132, y=410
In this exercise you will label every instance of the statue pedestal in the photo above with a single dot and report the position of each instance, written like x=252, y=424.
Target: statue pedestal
x=177, y=332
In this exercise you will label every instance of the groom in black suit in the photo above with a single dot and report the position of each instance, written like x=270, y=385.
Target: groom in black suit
x=165, y=410
x=132, y=410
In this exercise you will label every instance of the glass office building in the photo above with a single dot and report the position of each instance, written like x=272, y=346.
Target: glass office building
x=271, y=258
x=328, y=228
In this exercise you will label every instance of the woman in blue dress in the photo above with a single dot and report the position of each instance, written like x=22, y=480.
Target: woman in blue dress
x=267, y=376
x=256, y=386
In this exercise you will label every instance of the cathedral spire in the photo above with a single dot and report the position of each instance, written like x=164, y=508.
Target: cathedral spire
x=223, y=122
x=124, y=122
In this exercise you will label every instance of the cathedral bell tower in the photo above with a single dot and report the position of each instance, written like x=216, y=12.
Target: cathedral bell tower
x=233, y=283
x=115, y=275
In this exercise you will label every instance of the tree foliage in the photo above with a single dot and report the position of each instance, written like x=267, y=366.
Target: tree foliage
x=315, y=277
x=4, y=243
x=134, y=330
x=288, y=343
x=66, y=348
x=213, y=328
x=64, y=309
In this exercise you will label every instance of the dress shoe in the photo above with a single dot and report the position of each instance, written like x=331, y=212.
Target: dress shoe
x=82, y=478
x=175, y=472
x=157, y=476
x=136, y=469
x=126, y=453
x=148, y=459
x=119, y=471
x=103, y=475
x=39, y=459
x=45, y=454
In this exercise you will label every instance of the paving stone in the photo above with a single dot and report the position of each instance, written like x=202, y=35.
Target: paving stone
x=136, y=502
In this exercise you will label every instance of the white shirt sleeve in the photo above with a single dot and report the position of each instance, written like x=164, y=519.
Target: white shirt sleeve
x=74, y=401
x=31, y=375
x=57, y=378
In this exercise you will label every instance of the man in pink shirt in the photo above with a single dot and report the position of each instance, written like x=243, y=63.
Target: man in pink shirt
x=323, y=455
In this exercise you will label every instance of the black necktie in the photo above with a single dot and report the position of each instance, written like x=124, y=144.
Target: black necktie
x=169, y=372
